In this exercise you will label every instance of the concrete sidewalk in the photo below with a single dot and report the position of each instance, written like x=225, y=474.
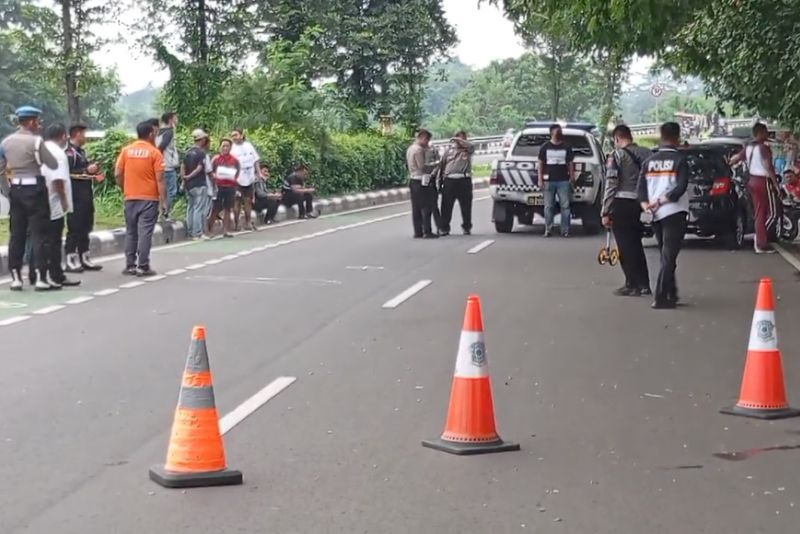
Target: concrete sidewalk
x=107, y=242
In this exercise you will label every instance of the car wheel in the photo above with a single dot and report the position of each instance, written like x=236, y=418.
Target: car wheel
x=789, y=228
x=734, y=238
x=503, y=218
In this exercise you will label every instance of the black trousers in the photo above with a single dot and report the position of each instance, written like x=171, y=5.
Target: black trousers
x=270, y=205
x=459, y=189
x=669, y=233
x=626, y=217
x=304, y=201
x=423, y=205
x=29, y=210
x=52, y=251
x=81, y=221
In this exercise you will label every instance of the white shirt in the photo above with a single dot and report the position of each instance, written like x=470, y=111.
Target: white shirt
x=755, y=161
x=61, y=173
x=248, y=157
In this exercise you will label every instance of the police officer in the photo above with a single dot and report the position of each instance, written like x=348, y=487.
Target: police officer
x=663, y=181
x=81, y=221
x=420, y=160
x=622, y=212
x=22, y=155
x=457, y=182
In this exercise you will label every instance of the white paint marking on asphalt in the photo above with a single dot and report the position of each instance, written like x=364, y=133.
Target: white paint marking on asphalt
x=788, y=256
x=486, y=244
x=196, y=266
x=407, y=294
x=214, y=262
x=49, y=309
x=364, y=268
x=156, y=278
x=176, y=272
x=15, y=320
x=80, y=300
x=244, y=253
x=131, y=285
x=229, y=257
x=106, y=292
x=284, y=224
x=248, y=407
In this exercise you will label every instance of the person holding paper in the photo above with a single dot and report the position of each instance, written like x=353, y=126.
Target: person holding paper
x=225, y=169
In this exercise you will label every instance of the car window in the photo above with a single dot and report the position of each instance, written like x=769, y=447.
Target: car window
x=528, y=145
x=707, y=165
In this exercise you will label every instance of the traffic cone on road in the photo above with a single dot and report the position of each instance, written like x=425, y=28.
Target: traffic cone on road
x=196, y=456
x=470, y=427
x=763, y=394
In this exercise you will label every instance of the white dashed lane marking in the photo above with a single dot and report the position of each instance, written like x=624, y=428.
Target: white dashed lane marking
x=49, y=309
x=80, y=300
x=407, y=294
x=14, y=320
x=156, y=278
x=106, y=292
x=477, y=248
x=241, y=412
x=176, y=272
x=131, y=285
x=196, y=266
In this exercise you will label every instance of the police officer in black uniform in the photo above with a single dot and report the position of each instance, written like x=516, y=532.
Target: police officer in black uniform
x=22, y=155
x=81, y=221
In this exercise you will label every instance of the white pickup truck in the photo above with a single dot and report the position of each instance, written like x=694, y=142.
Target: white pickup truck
x=514, y=180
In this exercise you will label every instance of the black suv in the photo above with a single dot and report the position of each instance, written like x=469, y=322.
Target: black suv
x=719, y=204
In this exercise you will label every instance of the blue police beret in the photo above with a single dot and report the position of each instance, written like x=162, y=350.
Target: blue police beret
x=28, y=112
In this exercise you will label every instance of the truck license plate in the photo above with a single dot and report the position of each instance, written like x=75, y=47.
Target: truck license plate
x=535, y=201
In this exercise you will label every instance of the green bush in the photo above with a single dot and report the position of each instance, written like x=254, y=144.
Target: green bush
x=339, y=162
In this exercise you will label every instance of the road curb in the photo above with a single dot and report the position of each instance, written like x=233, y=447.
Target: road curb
x=108, y=242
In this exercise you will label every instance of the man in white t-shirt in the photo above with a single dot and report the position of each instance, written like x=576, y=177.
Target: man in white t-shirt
x=59, y=193
x=248, y=158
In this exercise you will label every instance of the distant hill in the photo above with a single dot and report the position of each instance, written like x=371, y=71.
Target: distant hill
x=139, y=105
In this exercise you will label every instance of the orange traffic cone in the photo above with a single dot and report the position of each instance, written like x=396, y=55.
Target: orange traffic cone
x=470, y=427
x=763, y=394
x=196, y=456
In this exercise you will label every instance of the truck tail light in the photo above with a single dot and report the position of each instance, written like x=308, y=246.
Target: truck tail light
x=721, y=187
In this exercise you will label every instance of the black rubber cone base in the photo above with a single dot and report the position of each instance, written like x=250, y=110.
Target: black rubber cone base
x=783, y=413
x=464, y=449
x=171, y=479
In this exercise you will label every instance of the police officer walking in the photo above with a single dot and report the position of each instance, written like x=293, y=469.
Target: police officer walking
x=622, y=212
x=420, y=159
x=662, y=191
x=81, y=221
x=456, y=168
x=22, y=155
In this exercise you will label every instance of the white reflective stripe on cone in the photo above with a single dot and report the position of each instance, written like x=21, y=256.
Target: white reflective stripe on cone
x=763, y=333
x=472, y=361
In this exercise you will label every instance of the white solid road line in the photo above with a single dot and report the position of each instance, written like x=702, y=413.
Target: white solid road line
x=478, y=248
x=49, y=309
x=407, y=294
x=80, y=300
x=131, y=285
x=196, y=266
x=241, y=412
x=788, y=256
x=176, y=272
x=156, y=278
x=15, y=320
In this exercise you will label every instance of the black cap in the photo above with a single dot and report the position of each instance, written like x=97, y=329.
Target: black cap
x=77, y=127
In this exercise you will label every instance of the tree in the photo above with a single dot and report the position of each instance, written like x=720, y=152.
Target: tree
x=32, y=69
x=506, y=93
x=212, y=40
x=445, y=80
x=747, y=52
x=77, y=40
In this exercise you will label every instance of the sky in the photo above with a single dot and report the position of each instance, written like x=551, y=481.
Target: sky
x=484, y=34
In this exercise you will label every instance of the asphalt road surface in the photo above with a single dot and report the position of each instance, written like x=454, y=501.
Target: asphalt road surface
x=615, y=405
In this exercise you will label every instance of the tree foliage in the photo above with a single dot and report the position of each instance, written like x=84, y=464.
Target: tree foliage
x=506, y=93
x=33, y=68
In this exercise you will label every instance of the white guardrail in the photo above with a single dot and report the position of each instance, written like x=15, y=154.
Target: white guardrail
x=493, y=144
